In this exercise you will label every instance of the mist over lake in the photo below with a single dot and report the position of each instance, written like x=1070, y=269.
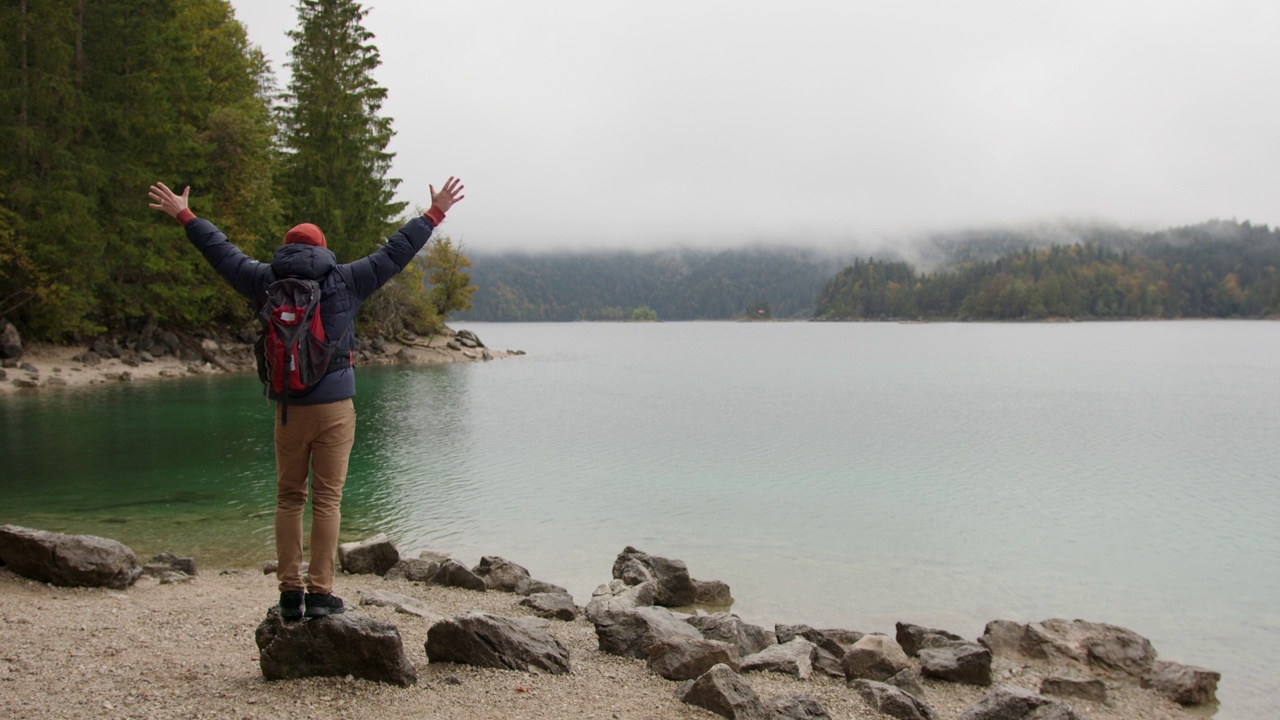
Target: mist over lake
x=849, y=475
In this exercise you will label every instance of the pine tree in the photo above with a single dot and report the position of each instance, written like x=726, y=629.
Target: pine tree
x=336, y=161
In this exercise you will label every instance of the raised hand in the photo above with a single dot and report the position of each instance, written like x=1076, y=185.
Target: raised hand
x=448, y=195
x=162, y=198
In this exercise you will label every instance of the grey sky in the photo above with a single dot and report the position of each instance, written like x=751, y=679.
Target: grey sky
x=640, y=124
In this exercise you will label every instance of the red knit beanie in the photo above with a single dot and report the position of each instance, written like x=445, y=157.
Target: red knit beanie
x=307, y=234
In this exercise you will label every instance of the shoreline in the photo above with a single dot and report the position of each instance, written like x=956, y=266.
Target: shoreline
x=186, y=649
x=47, y=367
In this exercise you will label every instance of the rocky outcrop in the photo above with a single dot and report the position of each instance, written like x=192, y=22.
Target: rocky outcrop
x=1093, y=690
x=914, y=637
x=553, y=606
x=494, y=641
x=500, y=574
x=372, y=556
x=723, y=692
x=616, y=596
x=959, y=662
x=688, y=658
x=893, y=701
x=333, y=646
x=632, y=632
x=1183, y=684
x=794, y=658
x=727, y=627
x=874, y=657
x=672, y=586
x=1013, y=703
x=1096, y=646
x=68, y=560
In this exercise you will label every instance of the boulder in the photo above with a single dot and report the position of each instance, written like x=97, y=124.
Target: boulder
x=672, y=586
x=494, y=641
x=372, y=556
x=1096, y=646
x=68, y=560
x=332, y=646
x=469, y=336
x=500, y=574
x=452, y=573
x=908, y=682
x=874, y=657
x=401, y=604
x=413, y=569
x=727, y=627
x=960, y=662
x=10, y=341
x=529, y=586
x=1183, y=684
x=686, y=658
x=914, y=637
x=1003, y=637
x=1092, y=690
x=794, y=658
x=712, y=592
x=631, y=633
x=553, y=606
x=1013, y=703
x=832, y=645
x=893, y=701
x=799, y=707
x=721, y=691
x=616, y=596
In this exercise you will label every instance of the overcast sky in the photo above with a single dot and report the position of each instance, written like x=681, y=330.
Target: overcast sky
x=604, y=123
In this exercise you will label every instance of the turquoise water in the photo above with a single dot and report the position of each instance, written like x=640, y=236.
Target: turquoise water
x=836, y=474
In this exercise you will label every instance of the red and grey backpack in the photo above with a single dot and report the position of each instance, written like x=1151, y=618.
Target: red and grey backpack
x=292, y=351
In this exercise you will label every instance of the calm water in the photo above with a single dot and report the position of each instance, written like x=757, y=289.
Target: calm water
x=836, y=474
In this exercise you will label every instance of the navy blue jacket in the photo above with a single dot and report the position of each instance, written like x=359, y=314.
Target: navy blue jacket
x=342, y=287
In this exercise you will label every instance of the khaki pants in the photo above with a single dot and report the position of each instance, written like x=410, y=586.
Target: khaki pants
x=316, y=442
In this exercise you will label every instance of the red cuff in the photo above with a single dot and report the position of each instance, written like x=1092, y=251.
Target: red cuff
x=435, y=215
x=186, y=216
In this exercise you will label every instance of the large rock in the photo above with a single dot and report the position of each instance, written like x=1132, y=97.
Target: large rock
x=794, y=658
x=874, y=657
x=332, y=646
x=712, y=592
x=688, y=658
x=959, y=662
x=414, y=569
x=500, y=574
x=672, y=586
x=908, y=682
x=1093, y=690
x=893, y=701
x=723, y=692
x=1183, y=684
x=454, y=574
x=631, y=633
x=10, y=341
x=553, y=606
x=68, y=560
x=914, y=637
x=616, y=596
x=727, y=627
x=494, y=641
x=1013, y=703
x=1097, y=646
x=799, y=707
x=832, y=645
x=373, y=556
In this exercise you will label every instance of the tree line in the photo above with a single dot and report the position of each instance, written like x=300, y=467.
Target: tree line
x=99, y=99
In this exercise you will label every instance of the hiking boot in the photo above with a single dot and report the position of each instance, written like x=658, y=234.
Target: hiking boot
x=291, y=605
x=319, y=605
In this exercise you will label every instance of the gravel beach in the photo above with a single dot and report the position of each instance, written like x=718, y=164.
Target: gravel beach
x=186, y=650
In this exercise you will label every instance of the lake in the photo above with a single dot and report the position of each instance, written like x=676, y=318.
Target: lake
x=836, y=474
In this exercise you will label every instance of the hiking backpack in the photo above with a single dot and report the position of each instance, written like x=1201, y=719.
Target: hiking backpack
x=292, y=351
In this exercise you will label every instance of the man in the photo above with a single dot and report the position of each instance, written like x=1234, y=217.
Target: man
x=316, y=439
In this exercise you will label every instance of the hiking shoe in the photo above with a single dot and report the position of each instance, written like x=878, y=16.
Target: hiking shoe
x=319, y=605
x=291, y=605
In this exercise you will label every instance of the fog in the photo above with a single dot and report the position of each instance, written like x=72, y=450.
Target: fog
x=600, y=124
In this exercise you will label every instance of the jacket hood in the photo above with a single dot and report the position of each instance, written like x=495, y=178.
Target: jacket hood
x=303, y=261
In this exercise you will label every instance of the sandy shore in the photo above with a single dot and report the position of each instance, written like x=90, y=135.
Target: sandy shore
x=53, y=367
x=187, y=651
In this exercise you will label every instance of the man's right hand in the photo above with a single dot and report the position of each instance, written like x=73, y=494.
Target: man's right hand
x=162, y=198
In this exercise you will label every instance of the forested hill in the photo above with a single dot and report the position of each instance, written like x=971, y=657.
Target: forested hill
x=1213, y=270
x=675, y=284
